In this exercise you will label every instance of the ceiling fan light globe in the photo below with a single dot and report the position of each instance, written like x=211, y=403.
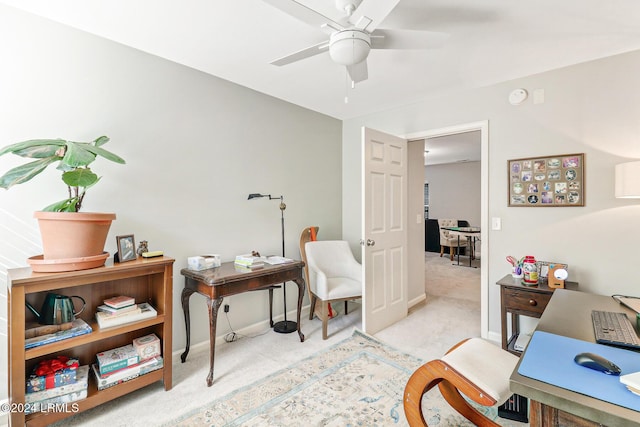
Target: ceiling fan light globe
x=349, y=47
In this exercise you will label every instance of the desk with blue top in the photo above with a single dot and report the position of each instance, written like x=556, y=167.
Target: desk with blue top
x=547, y=375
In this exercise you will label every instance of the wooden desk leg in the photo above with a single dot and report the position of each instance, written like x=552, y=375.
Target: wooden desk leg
x=186, y=294
x=538, y=416
x=503, y=320
x=214, y=305
x=300, y=283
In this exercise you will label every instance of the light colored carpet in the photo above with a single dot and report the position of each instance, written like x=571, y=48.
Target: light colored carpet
x=358, y=382
x=446, y=278
x=427, y=333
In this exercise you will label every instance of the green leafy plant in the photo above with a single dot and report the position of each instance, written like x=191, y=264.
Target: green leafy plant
x=73, y=160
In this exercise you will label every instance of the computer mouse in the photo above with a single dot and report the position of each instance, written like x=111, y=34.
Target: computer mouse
x=597, y=362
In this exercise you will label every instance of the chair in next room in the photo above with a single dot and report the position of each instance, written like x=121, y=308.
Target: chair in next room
x=334, y=275
x=448, y=239
x=475, y=368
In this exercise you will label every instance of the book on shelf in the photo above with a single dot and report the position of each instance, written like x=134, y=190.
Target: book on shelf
x=119, y=301
x=78, y=327
x=107, y=321
x=126, y=374
x=108, y=315
x=34, y=329
x=115, y=311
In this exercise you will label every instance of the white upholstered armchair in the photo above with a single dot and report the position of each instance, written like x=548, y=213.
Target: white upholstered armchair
x=334, y=275
x=447, y=239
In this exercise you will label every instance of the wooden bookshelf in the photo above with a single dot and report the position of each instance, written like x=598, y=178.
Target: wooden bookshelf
x=147, y=280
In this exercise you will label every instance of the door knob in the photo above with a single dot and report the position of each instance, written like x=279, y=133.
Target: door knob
x=371, y=242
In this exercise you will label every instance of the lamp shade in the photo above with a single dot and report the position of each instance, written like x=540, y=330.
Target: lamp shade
x=628, y=180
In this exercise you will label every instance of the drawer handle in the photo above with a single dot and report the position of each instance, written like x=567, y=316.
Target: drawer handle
x=533, y=302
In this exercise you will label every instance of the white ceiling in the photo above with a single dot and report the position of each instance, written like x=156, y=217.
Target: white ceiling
x=456, y=148
x=489, y=41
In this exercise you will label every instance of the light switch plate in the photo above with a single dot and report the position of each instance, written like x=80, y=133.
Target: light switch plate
x=496, y=223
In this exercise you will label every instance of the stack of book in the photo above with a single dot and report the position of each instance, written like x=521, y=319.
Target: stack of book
x=121, y=310
x=125, y=363
x=249, y=261
x=54, y=382
x=77, y=327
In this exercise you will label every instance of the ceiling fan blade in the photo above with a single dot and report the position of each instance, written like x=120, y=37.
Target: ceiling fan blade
x=371, y=13
x=407, y=39
x=358, y=72
x=306, y=15
x=302, y=54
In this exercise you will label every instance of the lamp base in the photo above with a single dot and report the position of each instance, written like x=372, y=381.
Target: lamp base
x=285, y=327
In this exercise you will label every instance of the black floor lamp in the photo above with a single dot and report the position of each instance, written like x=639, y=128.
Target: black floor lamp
x=285, y=326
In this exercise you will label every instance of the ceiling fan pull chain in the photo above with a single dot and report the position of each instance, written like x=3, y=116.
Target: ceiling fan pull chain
x=346, y=86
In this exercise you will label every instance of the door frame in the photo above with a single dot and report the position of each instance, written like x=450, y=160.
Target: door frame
x=483, y=127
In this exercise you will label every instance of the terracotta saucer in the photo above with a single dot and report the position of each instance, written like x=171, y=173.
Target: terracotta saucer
x=40, y=265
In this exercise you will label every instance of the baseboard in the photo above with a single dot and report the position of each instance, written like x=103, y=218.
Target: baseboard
x=250, y=330
x=261, y=326
x=495, y=337
x=415, y=301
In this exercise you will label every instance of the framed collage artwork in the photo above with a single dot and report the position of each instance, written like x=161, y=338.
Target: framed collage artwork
x=547, y=181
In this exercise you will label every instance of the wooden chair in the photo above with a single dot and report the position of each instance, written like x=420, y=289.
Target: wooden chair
x=476, y=368
x=308, y=234
x=332, y=275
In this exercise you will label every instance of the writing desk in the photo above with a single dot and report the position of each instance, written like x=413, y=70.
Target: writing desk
x=228, y=279
x=470, y=233
x=569, y=314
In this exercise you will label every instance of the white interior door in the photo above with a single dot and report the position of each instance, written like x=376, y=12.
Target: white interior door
x=384, y=232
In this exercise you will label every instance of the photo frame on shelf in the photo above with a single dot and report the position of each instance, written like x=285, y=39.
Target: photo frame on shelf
x=546, y=181
x=543, y=269
x=126, y=248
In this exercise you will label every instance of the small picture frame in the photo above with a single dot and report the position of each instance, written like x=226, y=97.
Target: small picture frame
x=126, y=248
x=543, y=269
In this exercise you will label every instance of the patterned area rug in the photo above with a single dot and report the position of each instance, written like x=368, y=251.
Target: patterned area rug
x=357, y=382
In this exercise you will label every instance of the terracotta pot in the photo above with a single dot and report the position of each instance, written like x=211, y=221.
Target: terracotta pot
x=73, y=234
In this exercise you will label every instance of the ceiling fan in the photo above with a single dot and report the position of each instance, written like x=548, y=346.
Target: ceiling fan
x=352, y=37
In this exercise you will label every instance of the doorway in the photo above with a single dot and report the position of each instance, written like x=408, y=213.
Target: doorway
x=483, y=128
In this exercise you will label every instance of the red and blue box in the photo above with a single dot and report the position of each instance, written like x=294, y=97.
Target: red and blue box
x=53, y=373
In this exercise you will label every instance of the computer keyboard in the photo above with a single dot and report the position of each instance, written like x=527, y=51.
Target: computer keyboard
x=614, y=328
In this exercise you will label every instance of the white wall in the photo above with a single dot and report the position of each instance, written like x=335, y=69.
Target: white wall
x=591, y=108
x=195, y=147
x=454, y=191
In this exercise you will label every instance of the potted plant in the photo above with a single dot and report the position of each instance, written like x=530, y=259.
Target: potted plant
x=66, y=244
